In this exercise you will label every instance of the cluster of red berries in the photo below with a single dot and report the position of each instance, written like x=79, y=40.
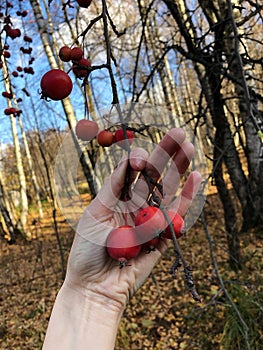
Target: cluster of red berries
x=76, y=55
x=126, y=242
x=86, y=130
x=57, y=84
x=12, y=32
x=7, y=94
x=12, y=110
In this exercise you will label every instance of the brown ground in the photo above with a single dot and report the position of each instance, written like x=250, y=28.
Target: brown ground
x=161, y=315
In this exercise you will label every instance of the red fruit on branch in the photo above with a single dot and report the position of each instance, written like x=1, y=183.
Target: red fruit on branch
x=56, y=84
x=13, y=33
x=150, y=223
x=7, y=54
x=120, y=137
x=122, y=244
x=76, y=54
x=7, y=94
x=26, y=51
x=84, y=3
x=12, y=110
x=105, y=138
x=65, y=54
x=28, y=39
x=151, y=245
x=178, y=225
x=81, y=68
x=86, y=129
x=29, y=70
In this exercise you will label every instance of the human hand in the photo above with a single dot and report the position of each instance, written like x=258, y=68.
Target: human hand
x=90, y=269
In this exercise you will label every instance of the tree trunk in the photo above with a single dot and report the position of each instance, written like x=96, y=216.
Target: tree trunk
x=9, y=222
x=248, y=109
x=67, y=106
x=224, y=148
x=31, y=169
x=18, y=154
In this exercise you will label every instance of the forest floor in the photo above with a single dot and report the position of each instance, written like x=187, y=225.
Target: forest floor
x=162, y=315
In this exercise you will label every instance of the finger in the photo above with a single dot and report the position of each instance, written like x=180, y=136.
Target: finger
x=188, y=193
x=111, y=190
x=163, y=152
x=158, y=159
x=138, y=158
x=179, y=166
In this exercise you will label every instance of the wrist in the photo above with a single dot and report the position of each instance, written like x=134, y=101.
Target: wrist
x=91, y=300
x=83, y=321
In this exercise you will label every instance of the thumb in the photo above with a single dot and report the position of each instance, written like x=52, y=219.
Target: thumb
x=110, y=192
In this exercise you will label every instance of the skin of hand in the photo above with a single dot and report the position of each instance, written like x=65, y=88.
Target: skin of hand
x=90, y=303
x=90, y=270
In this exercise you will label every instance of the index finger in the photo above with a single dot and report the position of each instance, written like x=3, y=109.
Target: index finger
x=158, y=159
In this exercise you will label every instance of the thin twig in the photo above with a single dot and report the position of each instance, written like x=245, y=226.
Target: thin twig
x=179, y=258
x=221, y=282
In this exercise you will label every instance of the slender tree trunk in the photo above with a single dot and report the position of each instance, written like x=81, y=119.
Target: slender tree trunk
x=67, y=106
x=18, y=154
x=7, y=214
x=31, y=169
x=7, y=203
x=21, y=175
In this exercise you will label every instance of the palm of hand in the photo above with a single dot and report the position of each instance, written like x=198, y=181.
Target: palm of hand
x=90, y=269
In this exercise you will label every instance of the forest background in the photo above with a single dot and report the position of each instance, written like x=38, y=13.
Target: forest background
x=200, y=64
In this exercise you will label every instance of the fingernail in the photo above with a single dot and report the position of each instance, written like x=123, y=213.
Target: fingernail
x=139, y=162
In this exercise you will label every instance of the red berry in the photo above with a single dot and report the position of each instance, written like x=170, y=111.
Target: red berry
x=7, y=54
x=56, y=84
x=178, y=225
x=26, y=51
x=76, y=54
x=122, y=244
x=150, y=222
x=105, y=138
x=28, y=39
x=152, y=244
x=86, y=129
x=84, y=3
x=7, y=94
x=13, y=33
x=12, y=110
x=79, y=68
x=120, y=138
x=65, y=54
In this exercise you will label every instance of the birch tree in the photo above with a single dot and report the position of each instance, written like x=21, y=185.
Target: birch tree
x=19, y=163
x=47, y=38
